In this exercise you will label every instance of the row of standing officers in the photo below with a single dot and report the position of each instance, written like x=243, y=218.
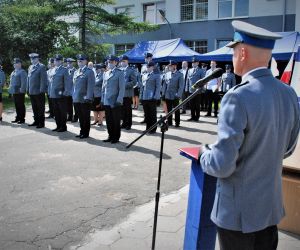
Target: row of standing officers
x=108, y=88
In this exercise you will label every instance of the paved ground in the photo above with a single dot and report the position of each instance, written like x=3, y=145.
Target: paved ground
x=136, y=231
x=55, y=188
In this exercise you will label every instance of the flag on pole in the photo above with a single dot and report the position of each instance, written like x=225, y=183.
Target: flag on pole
x=295, y=83
x=287, y=74
x=274, y=68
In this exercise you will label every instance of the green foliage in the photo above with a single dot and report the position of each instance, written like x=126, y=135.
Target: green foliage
x=47, y=27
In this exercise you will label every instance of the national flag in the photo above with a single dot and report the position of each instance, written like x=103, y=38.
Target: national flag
x=286, y=76
x=295, y=83
x=274, y=68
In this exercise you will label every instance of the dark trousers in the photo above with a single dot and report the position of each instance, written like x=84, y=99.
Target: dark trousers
x=75, y=112
x=170, y=105
x=50, y=104
x=266, y=239
x=150, y=113
x=60, y=112
x=84, y=110
x=212, y=97
x=19, y=100
x=195, y=107
x=38, y=108
x=203, y=102
x=69, y=107
x=127, y=112
x=187, y=105
x=113, y=120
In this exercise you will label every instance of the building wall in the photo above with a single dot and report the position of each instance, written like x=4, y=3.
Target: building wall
x=264, y=13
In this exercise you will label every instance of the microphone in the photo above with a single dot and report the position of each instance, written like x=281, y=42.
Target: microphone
x=215, y=74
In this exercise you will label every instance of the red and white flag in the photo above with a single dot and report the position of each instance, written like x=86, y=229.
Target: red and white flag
x=287, y=74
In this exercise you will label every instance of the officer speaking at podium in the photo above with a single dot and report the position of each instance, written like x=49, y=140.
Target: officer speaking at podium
x=258, y=127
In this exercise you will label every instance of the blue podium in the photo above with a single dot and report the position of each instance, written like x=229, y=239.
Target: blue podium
x=200, y=231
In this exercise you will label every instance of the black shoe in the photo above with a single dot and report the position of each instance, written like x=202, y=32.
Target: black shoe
x=49, y=117
x=143, y=122
x=40, y=126
x=123, y=126
x=177, y=125
x=21, y=122
x=191, y=119
x=100, y=124
x=208, y=115
x=114, y=141
x=94, y=123
x=84, y=136
x=78, y=136
x=75, y=120
x=15, y=121
x=32, y=124
x=152, y=132
x=62, y=130
x=183, y=112
x=47, y=112
x=107, y=140
x=54, y=129
x=216, y=115
x=69, y=120
x=128, y=128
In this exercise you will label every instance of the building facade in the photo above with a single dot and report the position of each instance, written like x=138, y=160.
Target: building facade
x=204, y=25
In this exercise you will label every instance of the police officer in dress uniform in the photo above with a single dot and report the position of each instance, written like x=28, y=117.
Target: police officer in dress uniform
x=195, y=74
x=2, y=82
x=212, y=89
x=97, y=108
x=172, y=90
x=227, y=80
x=113, y=90
x=130, y=82
x=69, y=101
x=258, y=128
x=59, y=89
x=36, y=88
x=203, y=96
x=50, y=73
x=17, y=87
x=184, y=71
x=83, y=88
x=150, y=92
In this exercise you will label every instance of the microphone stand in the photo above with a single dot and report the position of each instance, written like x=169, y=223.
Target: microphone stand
x=163, y=127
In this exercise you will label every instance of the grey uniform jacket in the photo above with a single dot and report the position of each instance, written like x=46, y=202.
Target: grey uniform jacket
x=84, y=82
x=258, y=127
x=228, y=81
x=113, y=88
x=59, y=83
x=151, y=85
x=194, y=75
x=71, y=72
x=37, y=79
x=2, y=80
x=173, y=85
x=98, y=85
x=18, y=82
x=130, y=81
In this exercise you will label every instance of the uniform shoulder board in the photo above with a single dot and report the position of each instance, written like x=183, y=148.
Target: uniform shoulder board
x=240, y=85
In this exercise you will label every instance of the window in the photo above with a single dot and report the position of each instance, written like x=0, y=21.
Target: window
x=193, y=10
x=152, y=14
x=233, y=8
x=199, y=46
x=120, y=49
x=127, y=10
x=222, y=43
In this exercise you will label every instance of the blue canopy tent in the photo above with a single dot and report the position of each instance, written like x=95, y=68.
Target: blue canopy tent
x=282, y=51
x=163, y=51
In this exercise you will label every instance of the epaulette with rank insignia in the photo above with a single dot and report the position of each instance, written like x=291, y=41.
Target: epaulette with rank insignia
x=240, y=85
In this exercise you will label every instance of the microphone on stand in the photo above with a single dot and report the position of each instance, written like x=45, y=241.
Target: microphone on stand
x=215, y=74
